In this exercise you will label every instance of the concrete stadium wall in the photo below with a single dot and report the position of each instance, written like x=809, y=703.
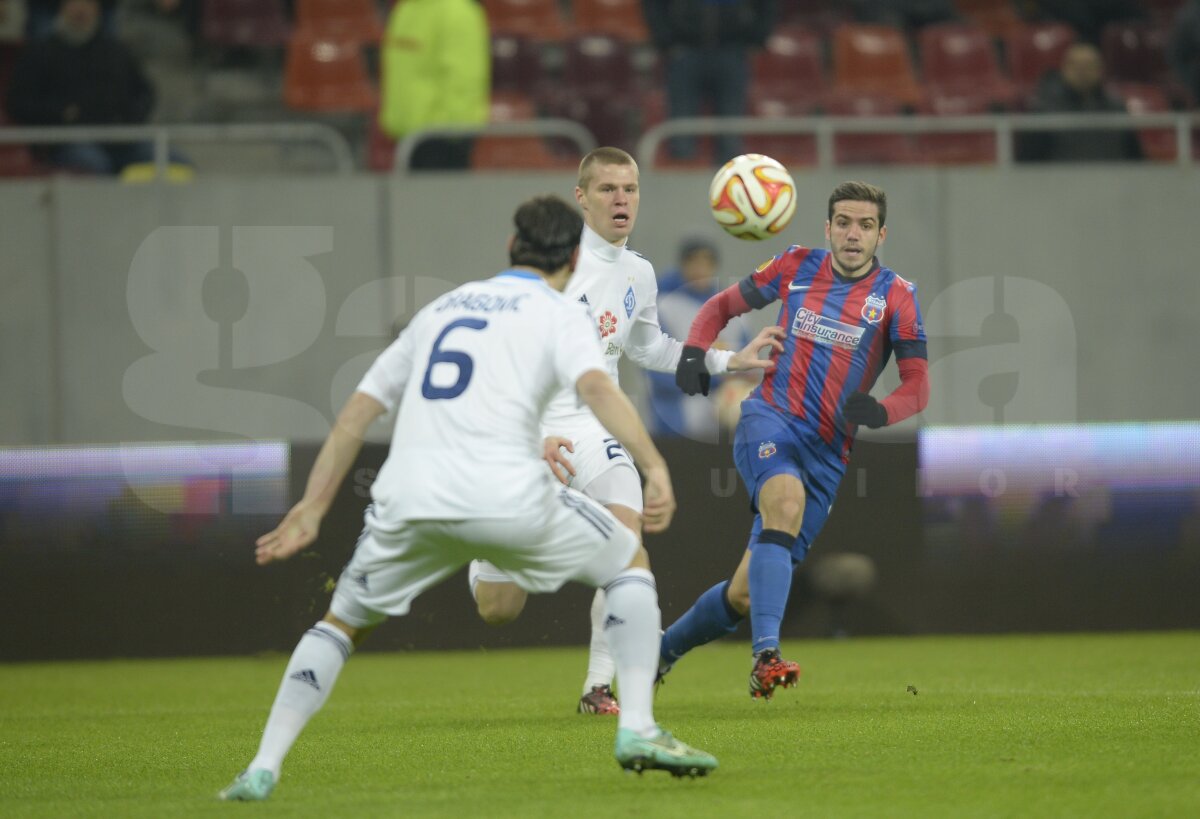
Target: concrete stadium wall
x=249, y=307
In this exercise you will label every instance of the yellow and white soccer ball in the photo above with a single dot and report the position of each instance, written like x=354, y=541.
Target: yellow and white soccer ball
x=753, y=197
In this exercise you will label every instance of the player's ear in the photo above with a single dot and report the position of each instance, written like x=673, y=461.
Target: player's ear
x=512, y=240
x=826, y=230
x=882, y=234
x=579, y=197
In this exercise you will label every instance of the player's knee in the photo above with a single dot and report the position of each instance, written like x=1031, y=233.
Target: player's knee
x=784, y=513
x=497, y=607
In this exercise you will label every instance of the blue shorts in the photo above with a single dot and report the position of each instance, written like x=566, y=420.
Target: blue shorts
x=768, y=443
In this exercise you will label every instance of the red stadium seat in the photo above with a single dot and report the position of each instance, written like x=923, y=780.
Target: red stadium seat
x=617, y=18
x=874, y=61
x=818, y=16
x=791, y=149
x=791, y=67
x=869, y=149
x=244, y=23
x=1135, y=52
x=511, y=106
x=998, y=18
x=516, y=63
x=539, y=20
x=957, y=59
x=356, y=20
x=327, y=75
x=519, y=154
x=653, y=110
x=954, y=148
x=597, y=64
x=1143, y=98
x=1033, y=50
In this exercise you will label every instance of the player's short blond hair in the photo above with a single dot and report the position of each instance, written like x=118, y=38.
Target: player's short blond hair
x=602, y=156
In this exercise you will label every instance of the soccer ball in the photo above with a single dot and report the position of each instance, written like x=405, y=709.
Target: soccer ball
x=752, y=197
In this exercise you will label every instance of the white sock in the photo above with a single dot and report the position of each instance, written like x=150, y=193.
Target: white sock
x=309, y=678
x=600, y=662
x=631, y=623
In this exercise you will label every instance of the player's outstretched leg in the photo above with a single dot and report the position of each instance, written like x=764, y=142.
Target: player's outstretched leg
x=632, y=621
x=307, y=681
x=598, y=695
x=712, y=616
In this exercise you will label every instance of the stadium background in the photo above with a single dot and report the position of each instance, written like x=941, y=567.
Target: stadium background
x=145, y=326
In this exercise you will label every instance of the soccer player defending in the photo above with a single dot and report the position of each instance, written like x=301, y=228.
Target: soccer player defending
x=845, y=315
x=619, y=289
x=464, y=478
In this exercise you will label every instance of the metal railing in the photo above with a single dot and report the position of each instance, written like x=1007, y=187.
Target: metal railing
x=545, y=127
x=163, y=136
x=1004, y=127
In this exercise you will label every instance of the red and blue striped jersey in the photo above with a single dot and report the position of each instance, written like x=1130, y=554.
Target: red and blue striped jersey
x=840, y=334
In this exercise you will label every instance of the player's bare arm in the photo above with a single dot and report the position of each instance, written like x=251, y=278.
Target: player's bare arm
x=302, y=523
x=749, y=357
x=615, y=412
x=560, y=465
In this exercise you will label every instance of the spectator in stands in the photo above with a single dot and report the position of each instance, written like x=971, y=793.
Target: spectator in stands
x=1077, y=87
x=681, y=293
x=706, y=47
x=909, y=14
x=1087, y=17
x=43, y=13
x=80, y=75
x=436, y=73
x=1183, y=51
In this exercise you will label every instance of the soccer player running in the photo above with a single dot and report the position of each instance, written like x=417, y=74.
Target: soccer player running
x=471, y=376
x=845, y=315
x=619, y=289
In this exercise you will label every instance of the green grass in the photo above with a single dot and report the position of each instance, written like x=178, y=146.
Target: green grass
x=1084, y=725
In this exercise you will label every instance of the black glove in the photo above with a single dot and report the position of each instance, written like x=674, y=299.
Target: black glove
x=864, y=410
x=691, y=375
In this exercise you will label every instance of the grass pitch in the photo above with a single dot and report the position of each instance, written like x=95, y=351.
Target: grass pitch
x=1082, y=725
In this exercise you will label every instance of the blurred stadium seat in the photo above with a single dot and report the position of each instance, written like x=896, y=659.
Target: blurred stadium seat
x=526, y=153
x=791, y=68
x=516, y=63
x=1032, y=50
x=958, y=59
x=16, y=160
x=1135, y=52
x=956, y=148
x=597, y=64
x=874, y=60
x=998, y=18
x=340, y=19
x=539, y=20
x=327, y=75
x=818, y=16
x=790, y=149
x=244, y=23
x=618, y=18
x=1146, y=98
x=869, y=149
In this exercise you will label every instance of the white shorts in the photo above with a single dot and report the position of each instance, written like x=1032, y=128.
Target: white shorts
x=568, y=537
x=603, y=471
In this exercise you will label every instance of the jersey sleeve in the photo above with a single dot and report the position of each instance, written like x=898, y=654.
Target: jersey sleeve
x=575, y=348
x=761, y=287
x=653, y=349
x=387, y=377
x=907, y=330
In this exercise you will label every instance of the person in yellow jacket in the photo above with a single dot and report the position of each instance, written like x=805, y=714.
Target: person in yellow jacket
x=436, y=71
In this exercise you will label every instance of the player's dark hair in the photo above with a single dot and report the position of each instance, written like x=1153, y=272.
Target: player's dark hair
x=547, y=233
x=601, y=156
x=859, y=192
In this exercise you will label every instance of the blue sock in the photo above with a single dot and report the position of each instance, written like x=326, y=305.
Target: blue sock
x=770, y=582
x=710, y=617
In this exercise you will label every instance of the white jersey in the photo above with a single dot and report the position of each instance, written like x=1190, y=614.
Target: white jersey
x=472, y=375
x=620, y=291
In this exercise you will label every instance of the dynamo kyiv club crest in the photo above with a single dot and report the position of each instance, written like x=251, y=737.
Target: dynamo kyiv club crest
x=630, y=302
